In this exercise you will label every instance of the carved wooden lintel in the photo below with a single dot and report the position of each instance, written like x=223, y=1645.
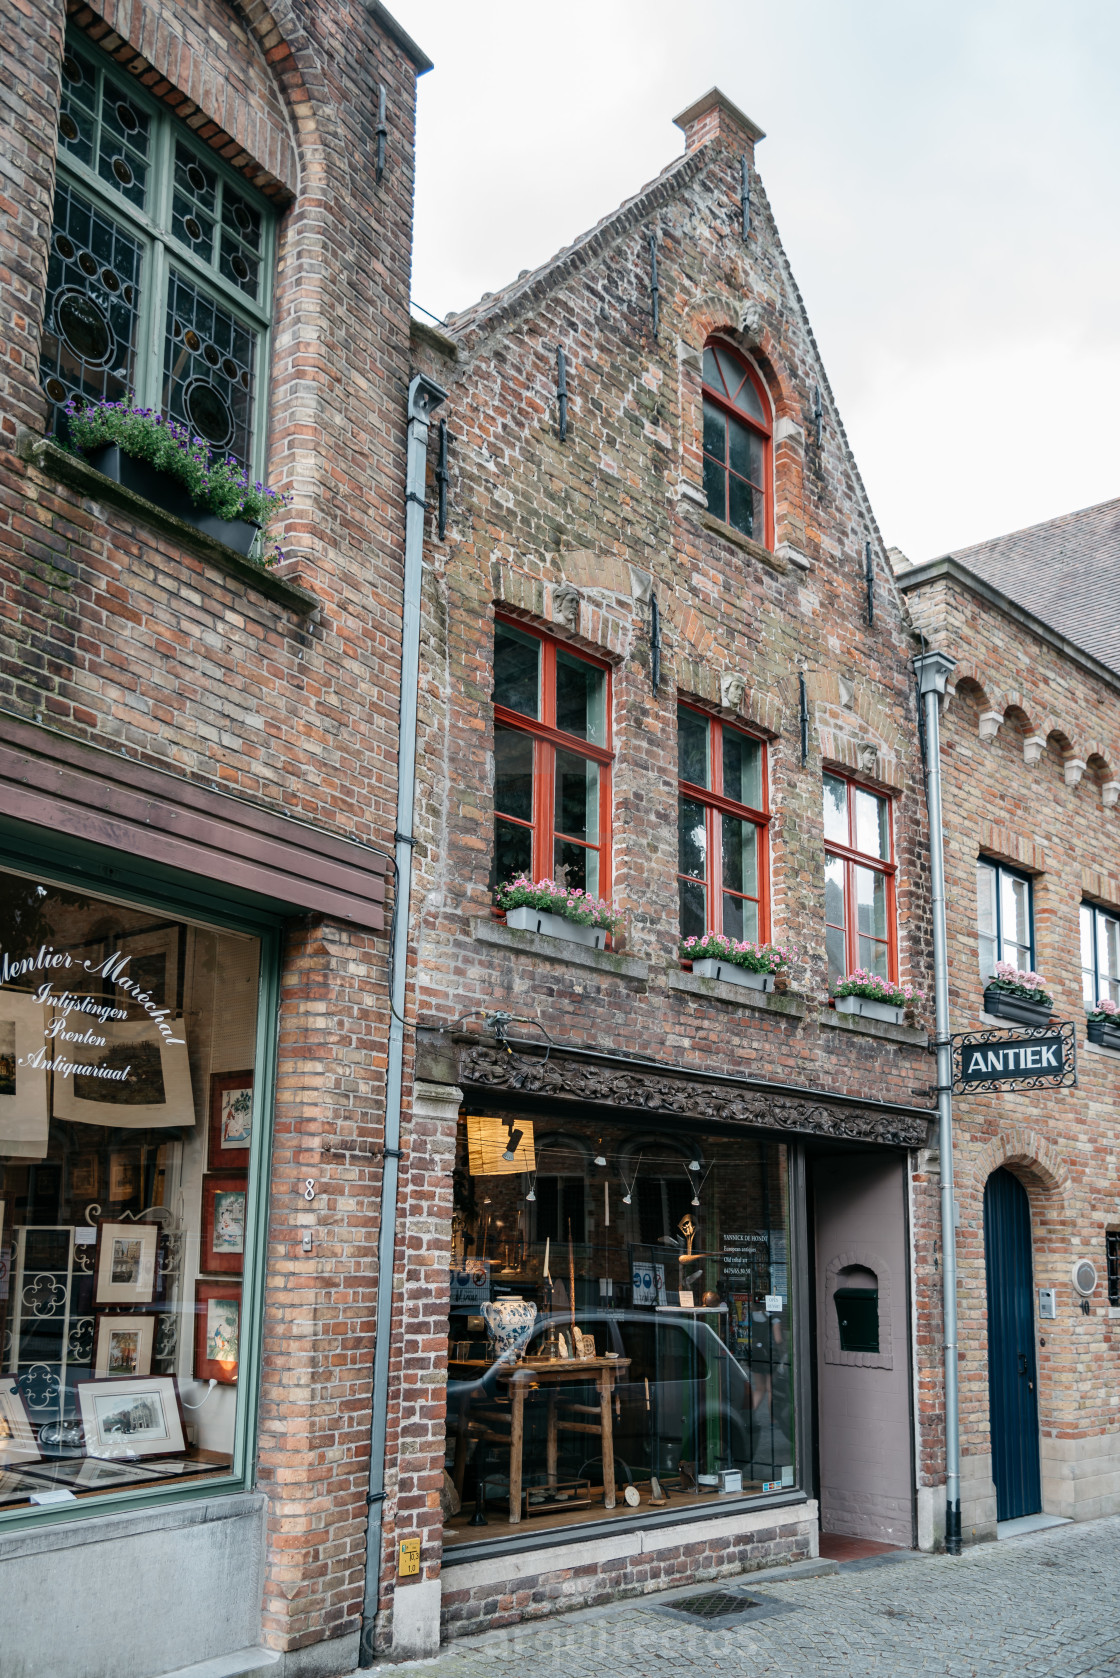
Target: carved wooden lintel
x=654, y=1091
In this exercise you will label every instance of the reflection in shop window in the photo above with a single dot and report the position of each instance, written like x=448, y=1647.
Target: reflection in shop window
x=620, y=1323
x=127, y=1125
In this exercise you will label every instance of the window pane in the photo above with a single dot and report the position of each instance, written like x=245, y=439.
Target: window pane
x=517, y=663
x=715, y=487
x=740, y=917
x=738, y=382
x=692, y=841
x=125, y=143
x=241, y=241
x=576, y=865
x=92, y=306
x=694, y=913
x=1090, y=988
x=581, y=692
x=1108, y=956
x=194, y=203
x=744, y=508
x=577, y=797
x=209, y=359
x=872, y=824
x=986, y=887
x=77, y=121
x=835, y=953
x=745, y=452
x=715, y=432
x=513, y=773
x=692, y=747
x=740, y=855
x=712, y=375
x=513, y=851
x=742, y=769
x=873, y=956
x=834, y=891
x=127, y=1074
x=871, y=902
x=836, y=809
x=1015, y=911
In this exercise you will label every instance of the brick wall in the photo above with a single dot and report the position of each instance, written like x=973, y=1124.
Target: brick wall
x=114, y=632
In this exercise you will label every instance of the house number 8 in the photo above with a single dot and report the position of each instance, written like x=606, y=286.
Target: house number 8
x=309, y=1191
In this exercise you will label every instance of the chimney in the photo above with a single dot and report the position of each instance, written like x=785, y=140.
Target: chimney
x=715, y=117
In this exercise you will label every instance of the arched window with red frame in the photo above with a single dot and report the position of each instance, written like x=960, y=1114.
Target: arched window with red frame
x=722, y=824
x=552, y=761
x=737, y=443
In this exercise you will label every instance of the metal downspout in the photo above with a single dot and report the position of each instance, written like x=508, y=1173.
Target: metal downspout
x=933, y=670
x=424, y=395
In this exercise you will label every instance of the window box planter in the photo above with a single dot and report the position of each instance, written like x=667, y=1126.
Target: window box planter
x=525, y=919
x=167, y=492
x=730, y=973
x=1006, y=1007
x=870, y=1009
x=1104, y=1033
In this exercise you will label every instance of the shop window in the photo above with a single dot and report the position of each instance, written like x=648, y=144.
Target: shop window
x=737, y=434
x=130, y=1124
x=656, y=1332
x=552, y=762
x=721, y=828
x=859, y=873
x=857, y=1310
x=159, y=276
x=1100, y=955
x=1004, y=917
x=1112, y=1256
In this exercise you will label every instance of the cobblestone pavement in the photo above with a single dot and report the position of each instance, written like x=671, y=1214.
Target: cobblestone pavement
x=1047, y=1604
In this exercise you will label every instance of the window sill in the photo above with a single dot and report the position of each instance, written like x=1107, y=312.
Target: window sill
x=774, y=1002
x=56, y=461
x=916, y=1036
x=558, y=949
x=1098, y=1049
x=738, y=540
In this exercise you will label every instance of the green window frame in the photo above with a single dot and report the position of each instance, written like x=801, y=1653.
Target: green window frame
x=160, y=274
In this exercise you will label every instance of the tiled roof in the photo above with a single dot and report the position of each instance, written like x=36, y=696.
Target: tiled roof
x=1066, y=572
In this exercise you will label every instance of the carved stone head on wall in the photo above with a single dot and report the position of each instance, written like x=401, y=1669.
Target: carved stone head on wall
x=732, y=688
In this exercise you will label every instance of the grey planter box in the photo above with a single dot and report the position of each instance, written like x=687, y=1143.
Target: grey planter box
x=555, y=926
x=1103, y=1033
x=167, y=492
x=1006, y=1007
x=869, y=1009
x=729, y=973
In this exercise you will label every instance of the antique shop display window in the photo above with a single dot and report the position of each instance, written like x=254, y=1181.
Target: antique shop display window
x=737, y=438
x=721, y=829
x=129, y=1120
x=160, y=274
x=620, y=1329
x=859, y=870
x=552, y=762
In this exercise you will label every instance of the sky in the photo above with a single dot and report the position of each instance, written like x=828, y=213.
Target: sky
x=944, y=179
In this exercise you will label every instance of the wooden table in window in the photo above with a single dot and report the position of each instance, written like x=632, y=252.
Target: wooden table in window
x=552, y=1373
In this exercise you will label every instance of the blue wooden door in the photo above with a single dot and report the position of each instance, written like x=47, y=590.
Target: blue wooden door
x=1012, y=1374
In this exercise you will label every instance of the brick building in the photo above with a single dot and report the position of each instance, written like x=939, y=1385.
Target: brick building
x=661, y=639
x=1030, y=744
x=207, y=209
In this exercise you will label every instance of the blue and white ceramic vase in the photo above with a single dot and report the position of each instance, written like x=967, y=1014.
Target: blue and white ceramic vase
x=509, y=1323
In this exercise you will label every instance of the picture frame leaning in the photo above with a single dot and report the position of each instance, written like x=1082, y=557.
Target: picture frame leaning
x=217, y=1331
x=123, y=1343
x=124, y=1265
x=135, y=1416
x=17, y=1438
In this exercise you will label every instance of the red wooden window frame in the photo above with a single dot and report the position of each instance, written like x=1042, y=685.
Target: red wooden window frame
x=547, y=738
x=723, y=400
x=715, y=806
x=853, y=858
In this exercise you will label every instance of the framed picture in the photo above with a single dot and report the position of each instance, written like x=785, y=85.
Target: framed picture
x=217, y=1331
x=135, y=1416
x=124, y=1177
x=124, y=1265
x=137, y=1080
x=85, y=1177
x=24, y=1110
x=153, y=963
x=223, y=1222
x=231, y=1120
x=17, y=1439
x=123, y=1345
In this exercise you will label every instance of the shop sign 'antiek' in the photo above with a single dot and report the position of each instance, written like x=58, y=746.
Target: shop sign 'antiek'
x=1040, y=1057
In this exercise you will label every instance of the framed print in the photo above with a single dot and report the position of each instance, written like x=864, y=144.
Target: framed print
x=223, y=1222
x=137, y=1416
x=124, y=1265
x=152, y=962
x=123, y=1345
x=231, y=1120
x=217, y=1331
x=25, y=1052
x=17, y=1439
x=124, y=1177
x=137, y=1079
x=85, y=1177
